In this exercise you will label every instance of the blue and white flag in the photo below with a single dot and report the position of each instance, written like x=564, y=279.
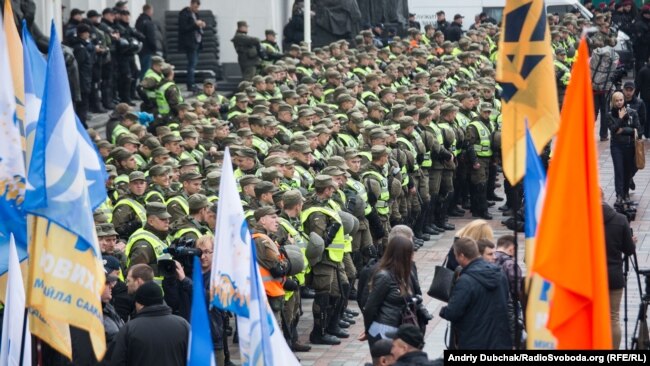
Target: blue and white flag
x=236, y=284
x=201, y=349
x=12, y=165
x=66, y=173
x=13, y=320
x=538, y=336
x=35, y=68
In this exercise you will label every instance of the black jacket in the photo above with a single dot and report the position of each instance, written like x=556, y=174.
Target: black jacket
x=642, y=82
x=629, y=124
x=145, y=25
x=385, y=303
x=478, y=308
x=187, y=29
x=84, y=53
x=154, y=337
x=415, y=358
x=618, y=241
x=453, y=32
x=639, y=106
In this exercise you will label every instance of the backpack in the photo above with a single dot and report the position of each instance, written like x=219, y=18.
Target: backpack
x=602, y=65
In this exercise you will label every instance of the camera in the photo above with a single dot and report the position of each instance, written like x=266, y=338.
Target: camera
x=627, y=210
x=182, y=250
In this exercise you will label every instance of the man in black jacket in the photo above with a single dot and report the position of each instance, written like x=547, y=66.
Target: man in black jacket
x=84, y=53
x=127, y=47
x=190, y=38
x=478, y=306
x=619, y=242
x=642, y=83
x=455, y=30
x=154, y=336
x=145, y=25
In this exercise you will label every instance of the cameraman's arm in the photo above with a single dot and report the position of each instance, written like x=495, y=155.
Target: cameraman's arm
x=178, y=292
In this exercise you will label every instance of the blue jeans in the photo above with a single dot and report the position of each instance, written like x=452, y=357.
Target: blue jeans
x=192, y=59
x=145, y=63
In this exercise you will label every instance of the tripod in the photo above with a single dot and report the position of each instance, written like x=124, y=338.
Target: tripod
x=640, y=337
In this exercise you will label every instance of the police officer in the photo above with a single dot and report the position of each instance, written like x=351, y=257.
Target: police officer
x=149, y=85
x=446, y=194
x=193, y=226
x=327, y=274
x=562, y=73
x=128, y=120
x=129, y=212
x=160, y=186
x=128, y=46
x=273, y=264
x=290, y=233
x=177, y=204
x=147, y=245
x=479, y=155
x=376, y=184
x=168, y=96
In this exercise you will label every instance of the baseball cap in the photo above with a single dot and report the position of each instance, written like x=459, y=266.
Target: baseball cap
x=410, y=334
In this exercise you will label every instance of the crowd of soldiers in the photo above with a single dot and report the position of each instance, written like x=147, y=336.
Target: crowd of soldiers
x=332, y=147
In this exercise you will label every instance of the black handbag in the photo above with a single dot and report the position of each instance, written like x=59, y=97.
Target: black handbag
x=409, y=314
x=443, y=281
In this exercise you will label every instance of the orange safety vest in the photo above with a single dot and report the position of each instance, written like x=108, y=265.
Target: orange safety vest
x=272, y=286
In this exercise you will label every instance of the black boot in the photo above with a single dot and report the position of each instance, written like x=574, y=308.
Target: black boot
x=441, y=220
x=333, y=326
x=320, y=309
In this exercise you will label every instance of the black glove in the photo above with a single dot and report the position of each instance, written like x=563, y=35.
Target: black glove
x=278, y=270
x=370, y=251
x=375, y=226
x=290, y=285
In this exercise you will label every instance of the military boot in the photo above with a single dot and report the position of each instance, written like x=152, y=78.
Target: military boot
x=318, y=335
x=334, y=311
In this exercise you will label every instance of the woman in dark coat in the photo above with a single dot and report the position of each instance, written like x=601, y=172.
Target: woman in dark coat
x=624, y=127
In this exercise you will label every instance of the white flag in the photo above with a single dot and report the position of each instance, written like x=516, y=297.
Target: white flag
x=236, y=283
x=14, y=319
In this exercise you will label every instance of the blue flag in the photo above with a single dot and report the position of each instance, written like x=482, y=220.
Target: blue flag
x=534, y=183
x=201, y=348
x=12, y=166
x=66, y=173
x=35, y=68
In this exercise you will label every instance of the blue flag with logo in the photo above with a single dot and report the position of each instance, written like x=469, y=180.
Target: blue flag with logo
x=66, y=174
x=200, y=350
x=12, y=166
x=35, y=68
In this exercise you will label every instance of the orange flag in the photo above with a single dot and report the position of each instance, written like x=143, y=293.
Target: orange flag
x=570, y=249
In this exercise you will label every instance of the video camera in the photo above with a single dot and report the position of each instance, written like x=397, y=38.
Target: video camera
x=627, y=210
x=182, y=250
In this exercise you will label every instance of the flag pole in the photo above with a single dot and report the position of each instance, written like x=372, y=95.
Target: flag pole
x=22, y=338
x=515, y=208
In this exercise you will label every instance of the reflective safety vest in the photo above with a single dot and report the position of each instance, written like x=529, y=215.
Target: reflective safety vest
x=368, y=94
x=305, y=176
x=305, y=71
x=438, y=133
x=151, y=93
x=152, y=194
x=182, y=232
x=301, y=241
x=462, y=119
x=484, y=147
x=361, y=192
x=213, y=198
x=566, y=73
x=446, y=126
x=158, y=247
x=286, y=131
x=413, y=151
x=139, y=160
x=272, y=286
x=238, y=174
x=161, y=99
x=383, y=208
x=260, y=145
x=349, y=140
x=107, y=209
x=336, y=249
x=118, y=131
x=181, y=201
x=139, y=210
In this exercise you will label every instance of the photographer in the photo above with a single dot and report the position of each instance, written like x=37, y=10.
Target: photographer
x=619, y=243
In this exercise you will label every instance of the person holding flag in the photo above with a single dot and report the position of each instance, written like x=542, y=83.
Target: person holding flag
x=236, y=282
